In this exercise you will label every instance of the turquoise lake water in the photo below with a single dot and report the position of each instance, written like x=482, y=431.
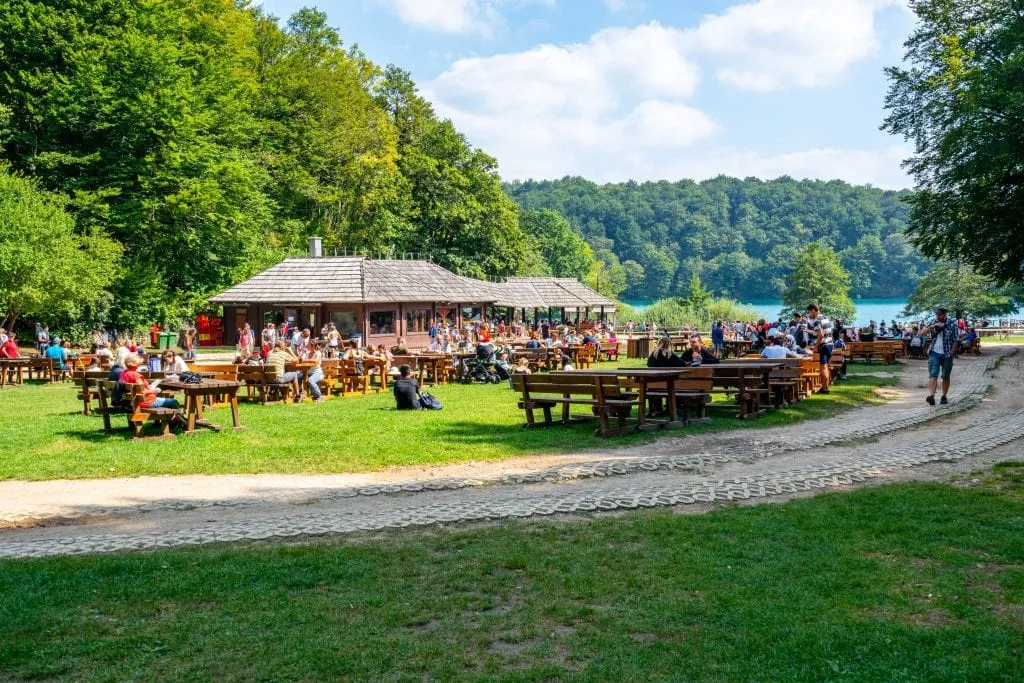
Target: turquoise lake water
x=867, y=309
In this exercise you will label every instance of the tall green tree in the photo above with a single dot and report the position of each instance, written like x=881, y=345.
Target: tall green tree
x=959, y=98
x=698, y=297
x=566, y=253
x=964, y=291
x=819, y=277
x=47, y=268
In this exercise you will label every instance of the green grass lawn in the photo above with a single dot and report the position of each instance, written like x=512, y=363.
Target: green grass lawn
x=901, y=582
x=49, y=438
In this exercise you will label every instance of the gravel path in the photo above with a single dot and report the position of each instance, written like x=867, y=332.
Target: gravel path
x=903, y=439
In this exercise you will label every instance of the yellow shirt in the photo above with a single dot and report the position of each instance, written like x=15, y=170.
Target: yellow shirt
x=276, y=360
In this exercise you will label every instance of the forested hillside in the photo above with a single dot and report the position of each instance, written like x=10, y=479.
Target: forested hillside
x=741, y=236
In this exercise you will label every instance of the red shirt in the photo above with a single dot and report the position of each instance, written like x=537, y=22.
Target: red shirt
x=130, y=376
x=9, y=349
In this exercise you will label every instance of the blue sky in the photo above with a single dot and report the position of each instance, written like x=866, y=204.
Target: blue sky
x=614, y=90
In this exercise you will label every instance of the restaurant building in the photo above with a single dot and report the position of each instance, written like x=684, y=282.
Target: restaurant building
x=384, y=299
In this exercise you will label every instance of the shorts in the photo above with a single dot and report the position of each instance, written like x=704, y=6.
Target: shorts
x=937, y=362
x=825, y=353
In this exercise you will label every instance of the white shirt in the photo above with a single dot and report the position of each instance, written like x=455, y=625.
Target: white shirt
x=776, y=352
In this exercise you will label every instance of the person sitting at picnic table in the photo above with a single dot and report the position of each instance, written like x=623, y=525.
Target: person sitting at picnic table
x=277, y=360
x=171, y=363
x=589, y=338
x=9, y=349
x=571, y=337
x=697, y=354
x=315, y=354
x=104, y=351
x=522, y=367
x=399, y=348
x=777, y=349
x=534, y=342
x=407, y=390
x=663, y=357
x=132, y=376
x=57, y=352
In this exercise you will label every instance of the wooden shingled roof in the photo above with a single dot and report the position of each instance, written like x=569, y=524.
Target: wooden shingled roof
x=552, y=292
x=355, y=279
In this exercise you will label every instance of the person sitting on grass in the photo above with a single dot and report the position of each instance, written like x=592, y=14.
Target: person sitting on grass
x=407, y=390
x=777, y=349
x=132, y=376
x=277, y=360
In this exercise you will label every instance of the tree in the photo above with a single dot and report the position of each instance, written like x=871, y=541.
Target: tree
x=566, y=253
x=606, y=275
x=962, y=290
x=46, y=267
x=819, y=277
x=697, y=295
x=959, y=100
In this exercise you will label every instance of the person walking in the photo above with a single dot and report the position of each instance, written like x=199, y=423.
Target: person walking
x=945, y=336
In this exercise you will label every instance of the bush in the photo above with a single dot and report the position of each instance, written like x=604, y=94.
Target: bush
x=674, y=313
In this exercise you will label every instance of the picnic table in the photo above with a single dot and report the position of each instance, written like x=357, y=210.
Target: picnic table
x=735, y=347
x=643, y=378
x=748, y=379
x=421, y=362
x=13, y=369
x=197, y=393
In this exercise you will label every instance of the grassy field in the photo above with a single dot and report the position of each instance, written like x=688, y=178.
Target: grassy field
x=901, y=582
x=49, y=438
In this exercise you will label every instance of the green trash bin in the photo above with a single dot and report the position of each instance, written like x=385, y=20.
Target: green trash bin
x=167, y=340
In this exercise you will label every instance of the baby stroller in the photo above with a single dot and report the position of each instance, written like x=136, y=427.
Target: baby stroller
x=481, y=367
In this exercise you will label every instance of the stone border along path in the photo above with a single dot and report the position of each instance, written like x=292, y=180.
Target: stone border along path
x=869, y=461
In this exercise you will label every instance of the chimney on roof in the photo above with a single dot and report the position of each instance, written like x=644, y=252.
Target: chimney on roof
x=316, y=247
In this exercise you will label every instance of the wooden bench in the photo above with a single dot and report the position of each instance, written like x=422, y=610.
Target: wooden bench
x=130, y=405
x=258, y=379
x=600, y=393
x=693, y=393
x=586, y=356
x=873, y=349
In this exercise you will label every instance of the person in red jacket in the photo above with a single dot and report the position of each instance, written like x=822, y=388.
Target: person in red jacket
x=131, y=375
x=9, y=348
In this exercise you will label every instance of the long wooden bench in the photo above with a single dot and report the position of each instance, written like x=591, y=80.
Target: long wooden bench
x=130, y=406
x=260, y=384
x=884, y=350
x=693, y=393
x=602, y=394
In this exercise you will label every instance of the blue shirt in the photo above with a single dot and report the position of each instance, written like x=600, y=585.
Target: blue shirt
x=57, y=353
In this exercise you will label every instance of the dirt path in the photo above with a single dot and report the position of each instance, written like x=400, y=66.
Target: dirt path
x=904, y=439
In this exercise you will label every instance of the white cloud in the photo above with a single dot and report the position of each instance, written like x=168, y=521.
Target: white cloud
x=778, y=44
x=554, y=108
x=454, y=16
x=619, y=105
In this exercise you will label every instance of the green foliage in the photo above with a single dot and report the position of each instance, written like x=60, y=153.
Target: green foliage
x=209, y=142
x=563, y=250
x=45, y=265
x=819, y=277
x=959, y=100
x=962, y=290
x=674, y=313
x=740, y=236
x=697, y=295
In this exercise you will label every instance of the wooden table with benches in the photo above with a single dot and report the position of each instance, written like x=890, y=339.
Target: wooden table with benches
x=196, y=394
x=749, y=380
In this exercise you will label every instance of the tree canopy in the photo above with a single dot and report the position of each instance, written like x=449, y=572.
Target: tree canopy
x=819, y=277
x=209, y=141
x=740, y=236
x=964, y=291
x=959, y=100
x=45, y=266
